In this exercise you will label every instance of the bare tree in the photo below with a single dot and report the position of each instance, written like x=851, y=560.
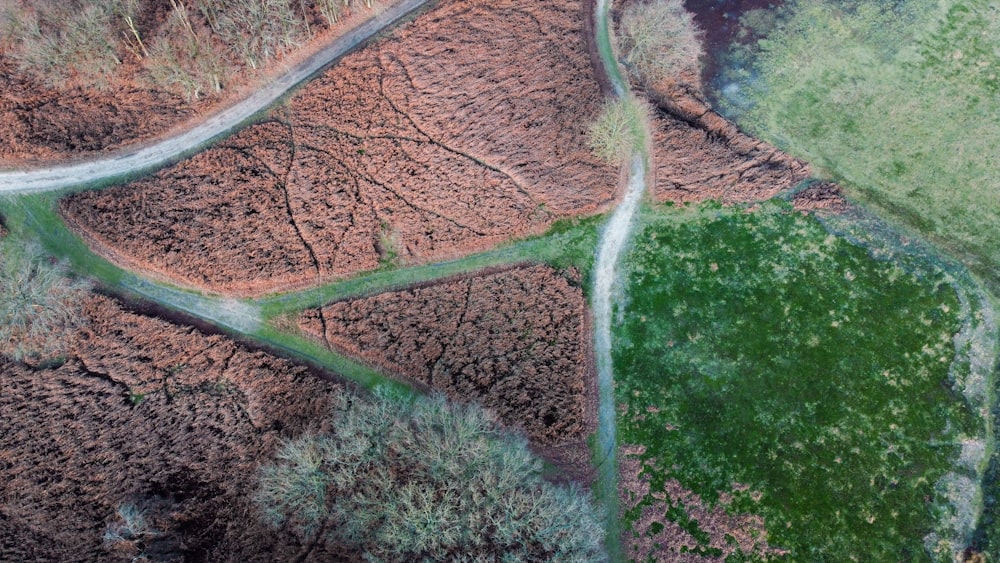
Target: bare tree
x=660, y=41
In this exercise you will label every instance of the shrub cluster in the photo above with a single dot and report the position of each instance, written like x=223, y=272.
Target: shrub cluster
x=620, y=130
x=426, y=480
x=660, y=41
x=39, y=305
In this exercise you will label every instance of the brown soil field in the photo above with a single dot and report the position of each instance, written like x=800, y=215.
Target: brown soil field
x=515, y=340
x=709, y=158
x=459, y=131
x=156, y=414
x=43, y=124
x=39, y=123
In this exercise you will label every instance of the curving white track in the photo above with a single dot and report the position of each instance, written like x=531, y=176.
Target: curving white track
x=162, y=152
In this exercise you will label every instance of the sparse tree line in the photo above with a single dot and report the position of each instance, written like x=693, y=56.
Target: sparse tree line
x=659, y=45
x=186, y=47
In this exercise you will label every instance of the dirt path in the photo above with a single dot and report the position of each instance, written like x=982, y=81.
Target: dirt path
x=59, y=177
x=614, y=237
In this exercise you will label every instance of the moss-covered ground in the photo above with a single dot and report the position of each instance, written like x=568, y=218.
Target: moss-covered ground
x=756, y=348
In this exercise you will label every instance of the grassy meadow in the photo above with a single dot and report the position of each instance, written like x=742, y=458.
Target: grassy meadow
x=757, y=350
x=900, y=101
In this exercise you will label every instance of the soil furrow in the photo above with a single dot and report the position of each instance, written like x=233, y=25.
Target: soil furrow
x=288, y=204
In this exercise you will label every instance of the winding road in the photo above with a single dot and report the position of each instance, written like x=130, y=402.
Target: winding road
x=167, y=150
x=614, y=238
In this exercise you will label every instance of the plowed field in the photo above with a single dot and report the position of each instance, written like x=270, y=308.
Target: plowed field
x=155, y=414
x=514, y=340
x=462, y=130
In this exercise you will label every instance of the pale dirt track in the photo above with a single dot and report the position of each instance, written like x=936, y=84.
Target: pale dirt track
x=162, y=152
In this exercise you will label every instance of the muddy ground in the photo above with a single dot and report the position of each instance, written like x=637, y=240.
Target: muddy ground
x=40, y=123
x=459, y=131
x=156, y=414
x=514, y=340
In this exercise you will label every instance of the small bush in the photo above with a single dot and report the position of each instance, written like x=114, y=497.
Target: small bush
x=426, y=481
x=660, y=41
x=129, y=526
x=39, y=304
x=620, y=130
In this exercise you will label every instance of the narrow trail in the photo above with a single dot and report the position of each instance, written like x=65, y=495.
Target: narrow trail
x=53, y=178
x=614, y=238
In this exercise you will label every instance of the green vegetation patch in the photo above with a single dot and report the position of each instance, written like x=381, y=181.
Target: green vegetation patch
x=899, y=100
x=621, y=129
x=762, y=358
x=569, y=243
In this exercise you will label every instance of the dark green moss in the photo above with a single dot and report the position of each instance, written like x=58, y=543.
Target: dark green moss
x=781, y=357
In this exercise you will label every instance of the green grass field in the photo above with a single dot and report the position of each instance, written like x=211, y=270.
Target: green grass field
x=756, y=348
x=900, y=101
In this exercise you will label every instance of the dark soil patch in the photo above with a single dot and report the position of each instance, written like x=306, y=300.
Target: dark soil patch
x=462, y=130
x=154, y=414
x=514, y=340
x=820, y=196
x=719, y=20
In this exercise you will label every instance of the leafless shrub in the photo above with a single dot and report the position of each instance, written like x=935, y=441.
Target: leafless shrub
x=620, y=130
x=39, y=305
x=660, y=41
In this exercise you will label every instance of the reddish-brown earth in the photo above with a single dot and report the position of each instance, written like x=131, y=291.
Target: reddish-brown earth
x=709, y=158
x=156, y=414
x=41, y=123
x=459, y=131
x=516, y=341
x=658, y=536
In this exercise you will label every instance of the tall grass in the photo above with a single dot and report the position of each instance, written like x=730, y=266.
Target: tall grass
x=39, y=304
